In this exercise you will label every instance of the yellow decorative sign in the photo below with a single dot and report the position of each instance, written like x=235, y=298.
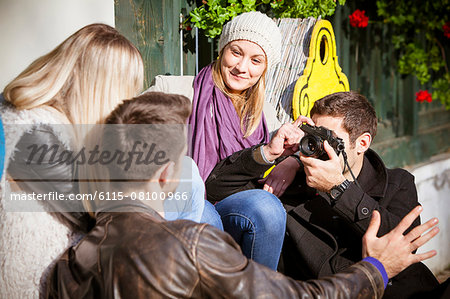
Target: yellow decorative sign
x=322, y=75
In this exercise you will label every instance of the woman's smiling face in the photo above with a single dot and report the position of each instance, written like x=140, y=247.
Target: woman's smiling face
x=243, y=63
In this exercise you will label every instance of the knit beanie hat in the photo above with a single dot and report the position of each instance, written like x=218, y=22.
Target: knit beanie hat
x=255, y=27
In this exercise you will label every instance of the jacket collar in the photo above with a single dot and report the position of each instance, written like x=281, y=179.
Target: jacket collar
x=373, y=177
x=124, y=206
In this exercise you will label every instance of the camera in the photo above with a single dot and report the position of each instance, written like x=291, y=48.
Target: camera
x=311, y=145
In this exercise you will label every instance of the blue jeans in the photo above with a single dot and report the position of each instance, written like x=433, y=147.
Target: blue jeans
x=255, y=219
x=189, y=199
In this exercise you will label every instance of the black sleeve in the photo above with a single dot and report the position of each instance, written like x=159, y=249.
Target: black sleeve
x=401, y=197
x=43, y=174
x=238, y=172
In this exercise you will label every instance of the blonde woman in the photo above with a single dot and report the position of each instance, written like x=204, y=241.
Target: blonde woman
x=80, y=82
x=227, y=116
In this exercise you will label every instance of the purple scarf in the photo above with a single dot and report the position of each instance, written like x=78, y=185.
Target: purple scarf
x=216, y=135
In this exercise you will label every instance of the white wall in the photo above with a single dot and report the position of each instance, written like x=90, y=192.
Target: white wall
x=433, y=187
x=31, y=28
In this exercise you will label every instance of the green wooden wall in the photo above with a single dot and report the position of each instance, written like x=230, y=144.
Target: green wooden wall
x=408, y=132
x=153, y=26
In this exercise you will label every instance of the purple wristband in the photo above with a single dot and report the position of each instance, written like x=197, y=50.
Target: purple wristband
x=380, y=268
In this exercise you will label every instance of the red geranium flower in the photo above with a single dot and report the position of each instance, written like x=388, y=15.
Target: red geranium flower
x=446, y=28
x=423, y=95
x=359, y=19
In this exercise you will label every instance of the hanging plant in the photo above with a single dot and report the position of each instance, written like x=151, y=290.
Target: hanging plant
x=213, y=14
x=420, y=29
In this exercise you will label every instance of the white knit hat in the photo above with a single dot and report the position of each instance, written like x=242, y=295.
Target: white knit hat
x=255, y=27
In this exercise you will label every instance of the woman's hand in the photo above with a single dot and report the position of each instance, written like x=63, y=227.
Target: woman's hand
x=286, y=139
x=281, y=176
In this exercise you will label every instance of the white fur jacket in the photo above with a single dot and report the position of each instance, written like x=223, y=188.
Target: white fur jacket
x=29, y=241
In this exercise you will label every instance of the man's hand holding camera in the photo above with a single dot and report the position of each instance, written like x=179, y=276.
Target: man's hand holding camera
x=322, y=172
x=323, y=175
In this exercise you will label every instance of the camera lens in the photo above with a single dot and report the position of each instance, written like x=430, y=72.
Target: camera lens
x=311, y=146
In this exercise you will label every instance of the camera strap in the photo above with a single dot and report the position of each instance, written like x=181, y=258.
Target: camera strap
x=344, y=154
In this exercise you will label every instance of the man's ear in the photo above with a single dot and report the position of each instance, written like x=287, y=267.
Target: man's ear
x=166, y=173
x=363, y=143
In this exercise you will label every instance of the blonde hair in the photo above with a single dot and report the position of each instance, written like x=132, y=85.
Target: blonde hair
x=84, y=78
x=249, y=105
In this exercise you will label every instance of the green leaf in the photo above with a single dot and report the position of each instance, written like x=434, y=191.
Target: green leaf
x=441, y=90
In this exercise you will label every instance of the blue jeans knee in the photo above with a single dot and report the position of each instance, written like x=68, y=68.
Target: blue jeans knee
x=211, y=216
x=256, y=220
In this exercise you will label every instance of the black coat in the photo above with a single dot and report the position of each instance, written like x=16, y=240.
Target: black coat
x=322, y=238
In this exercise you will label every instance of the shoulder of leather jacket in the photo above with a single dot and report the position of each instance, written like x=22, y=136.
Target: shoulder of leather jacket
x=218, y=251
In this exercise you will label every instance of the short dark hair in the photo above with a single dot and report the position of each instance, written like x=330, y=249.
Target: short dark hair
x=152, y=108
x=165, y=116
x=358, y=114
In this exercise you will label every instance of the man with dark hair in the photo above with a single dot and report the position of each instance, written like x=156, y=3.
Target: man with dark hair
x=329, y=204
x=344, y=205
x=132, y=252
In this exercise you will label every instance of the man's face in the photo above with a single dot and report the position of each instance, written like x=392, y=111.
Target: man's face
x=335, y=124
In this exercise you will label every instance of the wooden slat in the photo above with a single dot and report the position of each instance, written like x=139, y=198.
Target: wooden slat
x=280, y=80
x=152, y=25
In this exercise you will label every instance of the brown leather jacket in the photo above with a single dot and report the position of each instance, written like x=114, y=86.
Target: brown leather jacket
x=140, y=255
